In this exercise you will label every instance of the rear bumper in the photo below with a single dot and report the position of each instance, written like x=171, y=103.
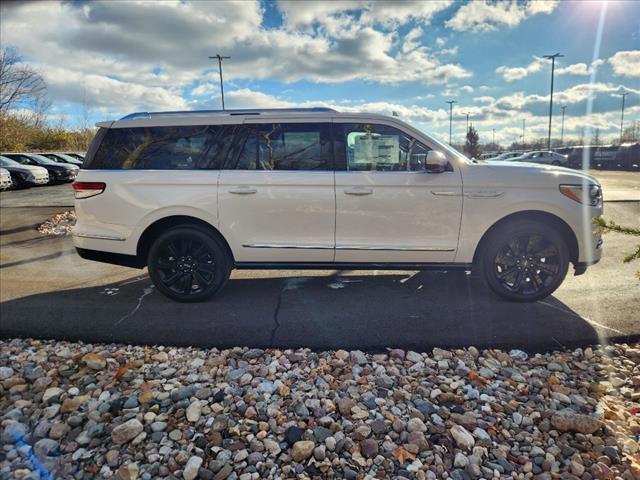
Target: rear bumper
x=112, y=258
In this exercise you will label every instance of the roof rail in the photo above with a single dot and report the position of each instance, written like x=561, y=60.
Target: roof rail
x=240, y=111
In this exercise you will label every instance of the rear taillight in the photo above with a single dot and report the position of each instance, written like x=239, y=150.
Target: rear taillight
x=88, y=189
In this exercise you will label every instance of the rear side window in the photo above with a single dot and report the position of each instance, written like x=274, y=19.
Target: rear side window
x=164, y=148
x=285, y=146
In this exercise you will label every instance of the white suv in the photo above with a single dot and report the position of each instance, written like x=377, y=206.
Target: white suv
x=193, y=195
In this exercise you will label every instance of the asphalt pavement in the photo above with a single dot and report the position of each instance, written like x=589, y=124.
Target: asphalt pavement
x=47, y=291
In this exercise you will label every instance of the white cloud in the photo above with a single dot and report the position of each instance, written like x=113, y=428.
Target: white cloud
x=367, y=12
x=575, y=94
x=467, y=89
x=485, y=16
x=167, y=52
x=579, y=68
x=484, y=99
x=204, y=89
x=511, y=74
x=626, y=63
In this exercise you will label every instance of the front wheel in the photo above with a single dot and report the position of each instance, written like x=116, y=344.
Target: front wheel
x=188, y=264
x=524, y=261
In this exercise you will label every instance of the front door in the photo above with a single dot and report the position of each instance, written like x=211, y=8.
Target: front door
x=276, y=194
x=389, y=207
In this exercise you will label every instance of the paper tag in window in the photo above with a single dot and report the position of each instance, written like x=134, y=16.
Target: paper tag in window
x=381, y=149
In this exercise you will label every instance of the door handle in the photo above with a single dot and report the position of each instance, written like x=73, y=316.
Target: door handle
x=358, y=191
x=243, y=190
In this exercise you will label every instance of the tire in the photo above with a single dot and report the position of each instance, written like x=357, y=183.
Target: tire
x=556, y=163
x=17, y=184
x=524, y=260
x=183, y=258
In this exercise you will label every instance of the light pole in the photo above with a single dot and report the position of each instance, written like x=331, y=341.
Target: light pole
x=553, y=67
x=494, y=138
x=564, y=107
x=523, y=123
x=623, y=95
x=467, y=122
x=450, y=102
x=220, y=58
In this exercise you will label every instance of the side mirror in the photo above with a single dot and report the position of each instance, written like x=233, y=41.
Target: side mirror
x=436, y=162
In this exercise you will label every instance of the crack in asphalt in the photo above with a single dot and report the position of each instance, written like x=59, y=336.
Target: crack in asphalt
x=275, y=317
x=145, y=291
x=289, y=284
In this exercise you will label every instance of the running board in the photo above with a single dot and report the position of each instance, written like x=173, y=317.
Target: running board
x=349, y=266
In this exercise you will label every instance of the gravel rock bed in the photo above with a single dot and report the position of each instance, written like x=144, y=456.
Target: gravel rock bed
x=58, y=224
x=74, y=410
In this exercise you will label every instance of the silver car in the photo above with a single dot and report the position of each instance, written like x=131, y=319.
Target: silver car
x=24, y=175
x=5, y=179
x=544, y=157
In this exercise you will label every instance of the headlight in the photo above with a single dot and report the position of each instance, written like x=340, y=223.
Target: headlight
x=588, y=194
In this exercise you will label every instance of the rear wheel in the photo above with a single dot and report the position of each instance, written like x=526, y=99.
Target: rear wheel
x=524, y=261
x=188, y=264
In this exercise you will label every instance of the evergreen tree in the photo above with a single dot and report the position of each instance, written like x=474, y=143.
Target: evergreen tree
x=471, y=146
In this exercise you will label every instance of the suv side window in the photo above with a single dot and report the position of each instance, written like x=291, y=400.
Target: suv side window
x=379, y=148
x=286, y=146
x=164, y=148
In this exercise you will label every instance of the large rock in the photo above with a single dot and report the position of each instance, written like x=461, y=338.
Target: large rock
x=194, y=411
x=462, y=437
x=568, y=421
x=302, y=450
x=191, y=468
x=130, y=471
x=127, y=431
x=12, y=431
x=94, y=361
x=369, y=448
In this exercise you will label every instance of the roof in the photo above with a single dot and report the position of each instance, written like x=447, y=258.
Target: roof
x=234, y=116
x=241, y=111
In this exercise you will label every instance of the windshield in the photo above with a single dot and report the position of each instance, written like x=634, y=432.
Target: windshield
x=52, y=157
x=41, y=159
x=68, y=158
x=7, y=162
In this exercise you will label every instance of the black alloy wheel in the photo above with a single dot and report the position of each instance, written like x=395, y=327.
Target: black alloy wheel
x=525, y=261
x=188, y=264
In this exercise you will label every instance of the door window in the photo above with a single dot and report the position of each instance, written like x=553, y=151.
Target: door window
x=286, y=146
x=370, y=147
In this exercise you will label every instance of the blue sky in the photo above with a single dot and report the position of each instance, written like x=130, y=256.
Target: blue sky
x=105, y=59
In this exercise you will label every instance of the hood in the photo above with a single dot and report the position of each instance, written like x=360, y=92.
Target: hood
x=562, y=174
x=26, y=169
x=62, y=166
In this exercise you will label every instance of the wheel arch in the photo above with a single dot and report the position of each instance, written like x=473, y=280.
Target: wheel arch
x=537, y=215
x=159, y=226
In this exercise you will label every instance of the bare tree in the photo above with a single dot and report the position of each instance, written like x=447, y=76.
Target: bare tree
x=20, y=84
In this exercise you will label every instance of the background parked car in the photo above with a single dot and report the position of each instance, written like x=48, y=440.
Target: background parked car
x=5, y=179
x=76, y=155
x=544, y=157
x=506, y=156
x=24, y=175
x=62, y=158
x=628, y=156
x=58, y=172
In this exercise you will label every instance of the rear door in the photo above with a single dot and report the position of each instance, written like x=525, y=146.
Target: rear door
x=276, y=193
x=389, y=207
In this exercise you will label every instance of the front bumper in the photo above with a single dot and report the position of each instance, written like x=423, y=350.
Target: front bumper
x=66, y=176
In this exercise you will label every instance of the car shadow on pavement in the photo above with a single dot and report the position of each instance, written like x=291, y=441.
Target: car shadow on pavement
x=349, y=310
